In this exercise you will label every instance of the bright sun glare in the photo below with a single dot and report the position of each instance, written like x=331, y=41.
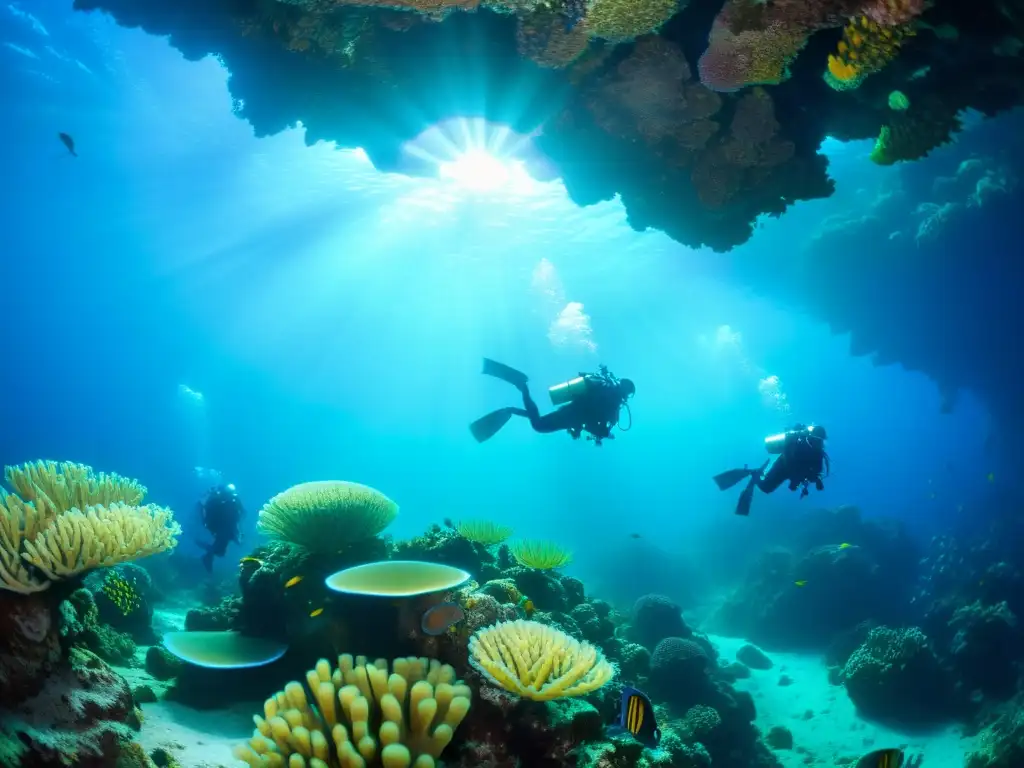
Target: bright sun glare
x=477, y=157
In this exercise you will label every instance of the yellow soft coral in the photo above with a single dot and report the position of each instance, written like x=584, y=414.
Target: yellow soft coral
x=625, y=20
x=415, y=711
x=538, y=662
x=326, y=516
x=866, y=48
x=542, y=555
x=66, y=520
x=483, y=531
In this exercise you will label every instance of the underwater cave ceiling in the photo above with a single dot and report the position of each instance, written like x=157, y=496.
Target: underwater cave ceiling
x=701, y=115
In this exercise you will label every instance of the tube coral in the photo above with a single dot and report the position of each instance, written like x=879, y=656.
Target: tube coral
x=414, y=711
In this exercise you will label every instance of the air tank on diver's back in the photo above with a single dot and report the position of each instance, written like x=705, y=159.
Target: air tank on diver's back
x=568, y=391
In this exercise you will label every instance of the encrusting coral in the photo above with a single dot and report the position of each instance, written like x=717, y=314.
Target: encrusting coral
x=327, y=516
x=415, y=709
x=66, y=520
x=537, y=661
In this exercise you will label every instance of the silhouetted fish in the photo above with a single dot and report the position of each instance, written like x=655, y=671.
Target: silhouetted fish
x=68, y=142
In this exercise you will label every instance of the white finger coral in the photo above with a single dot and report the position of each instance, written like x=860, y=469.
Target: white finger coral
x=360, y=717
x=538, y=662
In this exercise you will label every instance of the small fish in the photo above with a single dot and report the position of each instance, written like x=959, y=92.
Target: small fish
x=991, y=477
x=68, y=142
x=525, y=607
x=634, y=535
x=637, y=718
x=801, y=583
x=251, y=561
x=882, y=758
x=845, y=545
x=293, y=581
x=448, y=523
x=314, y=613
x=441, y=618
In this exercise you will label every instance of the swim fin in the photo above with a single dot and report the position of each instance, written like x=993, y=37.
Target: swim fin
x=505, y=373
x=746, y=498
x=727, y=480
x=487, y=426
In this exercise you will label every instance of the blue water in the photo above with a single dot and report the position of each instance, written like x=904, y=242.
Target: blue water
x=334, y=319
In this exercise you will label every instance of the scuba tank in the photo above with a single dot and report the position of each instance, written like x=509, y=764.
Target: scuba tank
x=568, y=391
x=775, y=444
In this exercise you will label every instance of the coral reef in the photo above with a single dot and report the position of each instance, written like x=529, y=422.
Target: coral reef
x=895, y=676
x=60, y=703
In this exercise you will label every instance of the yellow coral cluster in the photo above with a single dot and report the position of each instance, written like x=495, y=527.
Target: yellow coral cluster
x=537, y=661
x=65, y=520
x=866, y=47
x=542, y=555
x=415, y=711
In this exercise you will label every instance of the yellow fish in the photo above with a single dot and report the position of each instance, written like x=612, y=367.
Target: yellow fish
x=844, y=545
x=315, y=613
x=292, y=582
x=253, y=560
x=801, y=583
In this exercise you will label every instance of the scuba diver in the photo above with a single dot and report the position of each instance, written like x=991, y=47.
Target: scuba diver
x=590, y=403
x=221, y=512
x=800, y=460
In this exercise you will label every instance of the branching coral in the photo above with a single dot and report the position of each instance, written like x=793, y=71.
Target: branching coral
x=538, y=662
x=542, y=555
x=866, y=48
x=326, y=516
x=45, y=536
x=415, y=711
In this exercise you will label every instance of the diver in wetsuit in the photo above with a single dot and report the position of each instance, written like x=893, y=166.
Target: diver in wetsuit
x=221, y=512
x=589, y=403
x=800, y=461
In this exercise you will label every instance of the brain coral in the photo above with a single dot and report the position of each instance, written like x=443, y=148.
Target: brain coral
x=656, y=617
x=895, y=676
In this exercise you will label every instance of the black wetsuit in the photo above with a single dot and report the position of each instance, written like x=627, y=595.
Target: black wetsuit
x=596, y=412
x=221, y=513
x=803, y=460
